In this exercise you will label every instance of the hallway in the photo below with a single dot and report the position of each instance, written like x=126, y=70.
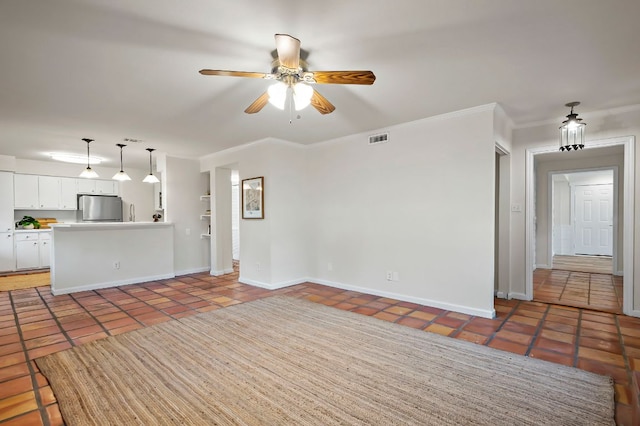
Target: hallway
x=584, y=284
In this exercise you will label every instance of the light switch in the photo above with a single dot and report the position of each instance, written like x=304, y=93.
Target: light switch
x=516, y=208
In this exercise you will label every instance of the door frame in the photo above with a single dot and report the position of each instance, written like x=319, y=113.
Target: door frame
x=614, y=257
x=628, y=142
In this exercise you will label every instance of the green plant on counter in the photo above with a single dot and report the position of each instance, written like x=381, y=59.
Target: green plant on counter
x=26, y=221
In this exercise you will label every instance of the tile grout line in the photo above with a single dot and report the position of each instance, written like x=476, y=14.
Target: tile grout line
x=34, y=382
x=577, y=343
x=509, y=315
x=89, y=313
x=538, y=329
x=635, y=396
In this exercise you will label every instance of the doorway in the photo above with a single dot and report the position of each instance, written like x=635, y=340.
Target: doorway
x=235, y=219
x=539, y=239
x=582, y=206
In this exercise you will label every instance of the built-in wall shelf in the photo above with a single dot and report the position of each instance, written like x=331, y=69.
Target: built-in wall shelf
x=205, y=216
x=205, y=197
x=205, y=235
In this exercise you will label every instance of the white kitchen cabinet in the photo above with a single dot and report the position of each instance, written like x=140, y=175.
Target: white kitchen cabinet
x=68, y=193
x=33, y=250
x=44, y=249
x=49, y=192
x=107, y=187
x=97, y=186
x=6, y=207
x=7, y=262
x=27, y=250
x=25, y=191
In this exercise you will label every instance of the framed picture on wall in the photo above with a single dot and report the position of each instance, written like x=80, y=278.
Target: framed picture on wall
x=253, y=198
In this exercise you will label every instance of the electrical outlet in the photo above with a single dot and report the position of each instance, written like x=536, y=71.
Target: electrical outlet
x=187, y=231
x=330, y=266
x=116, y=264
x=389, y=276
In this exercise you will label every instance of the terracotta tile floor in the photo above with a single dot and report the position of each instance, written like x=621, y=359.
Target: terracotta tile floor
x=601, y=292
x=34, y=323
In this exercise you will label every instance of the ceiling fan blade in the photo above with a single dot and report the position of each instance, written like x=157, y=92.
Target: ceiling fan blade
x=234, y=73
x=288, y=51
x=321, y=103
x=258, y=104
x=343, y=77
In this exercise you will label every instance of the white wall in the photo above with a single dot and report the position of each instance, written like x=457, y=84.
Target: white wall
x=344, y=213
x=183, y=185
x=421, y=205
x=562, y=227
x=273, y=250
x=601, y=125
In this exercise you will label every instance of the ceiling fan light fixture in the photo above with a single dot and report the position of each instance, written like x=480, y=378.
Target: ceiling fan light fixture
x=572, y=131
x=302, y=94
x=278, y=94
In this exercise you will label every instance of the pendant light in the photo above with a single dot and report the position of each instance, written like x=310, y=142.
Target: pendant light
x=572, y=131
x=88, y=172
x=150, y=178
x=121, y=175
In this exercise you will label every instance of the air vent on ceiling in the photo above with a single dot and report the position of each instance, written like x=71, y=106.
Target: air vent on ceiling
x=131, y=140
x=379, y=138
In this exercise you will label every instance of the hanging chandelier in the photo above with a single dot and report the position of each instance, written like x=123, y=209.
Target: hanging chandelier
x=572, y=131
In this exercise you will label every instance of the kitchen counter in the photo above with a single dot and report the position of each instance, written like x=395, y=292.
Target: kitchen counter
x=18, y=231
x=109, y=225
x=89, y=256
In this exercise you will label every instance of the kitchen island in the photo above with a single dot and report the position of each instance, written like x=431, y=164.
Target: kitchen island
x=89, y=256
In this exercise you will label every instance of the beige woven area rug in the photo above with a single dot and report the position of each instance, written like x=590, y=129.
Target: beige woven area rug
x=285, y=361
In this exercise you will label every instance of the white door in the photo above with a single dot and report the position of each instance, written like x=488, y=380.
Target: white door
x=594, y=219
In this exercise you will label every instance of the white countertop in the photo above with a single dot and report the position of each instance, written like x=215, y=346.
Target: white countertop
x=107, y=225
x=32, y=230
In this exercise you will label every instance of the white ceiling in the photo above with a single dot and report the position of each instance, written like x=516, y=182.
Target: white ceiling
x=114, y=69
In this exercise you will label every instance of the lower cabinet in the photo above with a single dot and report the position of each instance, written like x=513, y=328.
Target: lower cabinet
x=7, y=263
x=33, y=250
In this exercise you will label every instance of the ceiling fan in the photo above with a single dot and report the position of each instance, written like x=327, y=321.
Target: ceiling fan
x=291, y=75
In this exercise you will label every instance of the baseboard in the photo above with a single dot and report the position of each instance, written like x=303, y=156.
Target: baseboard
x=109, y=284
x=500, y=294
x=541, y=266
x=519, y=296
x=421, y=301
x=221, y=272
x=275, y=286
x=634, y=313
x=619, y=273
x=192, y=271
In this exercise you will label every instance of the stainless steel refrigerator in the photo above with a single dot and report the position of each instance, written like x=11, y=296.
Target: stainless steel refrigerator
x=99, y=208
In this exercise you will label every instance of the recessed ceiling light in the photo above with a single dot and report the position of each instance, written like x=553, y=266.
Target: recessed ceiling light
x=74, y=158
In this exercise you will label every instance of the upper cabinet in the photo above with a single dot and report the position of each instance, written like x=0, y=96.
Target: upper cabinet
x=31, y=192
x=48, y=192
x=26, y=192
x=68, y=193
x=97, y=187
x=6, y=210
